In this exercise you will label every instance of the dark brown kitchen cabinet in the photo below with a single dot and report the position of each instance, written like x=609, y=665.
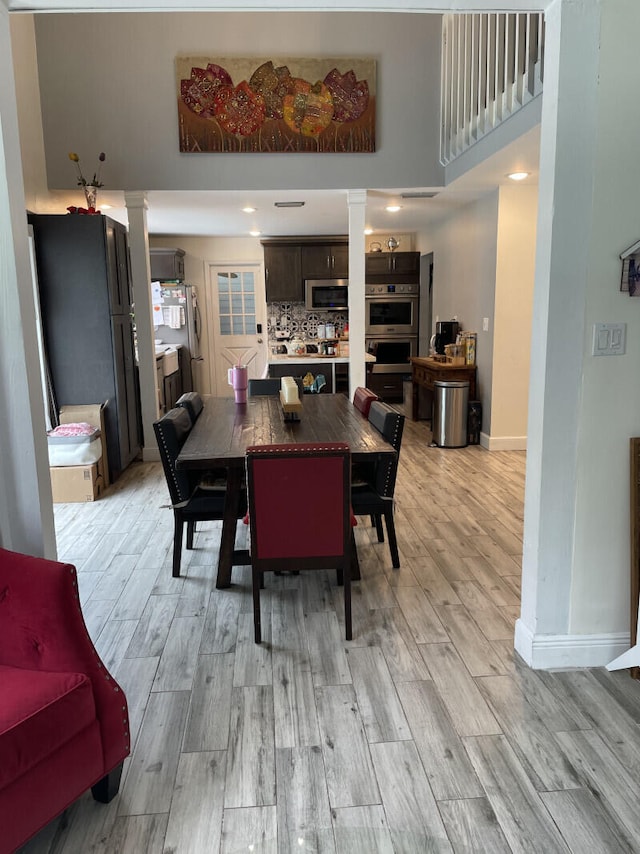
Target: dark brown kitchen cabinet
x=118, y=269
x=325, y=261
x=172, y=390
x=388, y=387
x=126, y=388
x=84, y=286
x=160, y=385
x=184, y=366
x=283, y=273
x=166, y=264
x=385, y=264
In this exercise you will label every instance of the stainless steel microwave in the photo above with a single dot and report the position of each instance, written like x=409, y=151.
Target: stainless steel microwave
x=326, y=294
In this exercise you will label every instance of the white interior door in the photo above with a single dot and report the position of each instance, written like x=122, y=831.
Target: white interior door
x=237, y=311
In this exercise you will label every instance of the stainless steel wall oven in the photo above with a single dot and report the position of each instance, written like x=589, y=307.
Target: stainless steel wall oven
x=393, y=353
x=391, y=309
x=391, y=326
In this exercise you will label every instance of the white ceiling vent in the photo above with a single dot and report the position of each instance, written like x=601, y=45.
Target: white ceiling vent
x=425, y=195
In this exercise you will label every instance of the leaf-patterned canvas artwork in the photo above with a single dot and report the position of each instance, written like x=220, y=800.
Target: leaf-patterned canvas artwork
x=276, y=105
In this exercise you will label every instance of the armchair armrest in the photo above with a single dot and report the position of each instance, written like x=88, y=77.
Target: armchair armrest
x=42, y=628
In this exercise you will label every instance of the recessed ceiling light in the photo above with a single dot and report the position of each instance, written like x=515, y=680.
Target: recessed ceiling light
x=518, y=176
x=248, y=210
x=106, y=207
x=255, y=233
x=368, y=231
x=392, y=208
x=289, y=204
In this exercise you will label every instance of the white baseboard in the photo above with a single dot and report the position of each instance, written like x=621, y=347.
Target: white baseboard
x=503, y=443
x=559, y=652
x=151, y=455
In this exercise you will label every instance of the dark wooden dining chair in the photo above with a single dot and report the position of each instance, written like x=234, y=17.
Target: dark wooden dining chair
x=192, y=402
x=264, y=386
x=299, y=514
x=189, y=501
x=373, y=494
x=269, y=386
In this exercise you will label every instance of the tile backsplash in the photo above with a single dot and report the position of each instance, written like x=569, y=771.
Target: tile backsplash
x=294, y=318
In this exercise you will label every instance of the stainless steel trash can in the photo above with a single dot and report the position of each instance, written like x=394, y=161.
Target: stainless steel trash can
x=450, y=409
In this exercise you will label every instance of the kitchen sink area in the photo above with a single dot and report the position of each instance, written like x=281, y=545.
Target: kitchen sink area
x=173, y=374
x=170, y=361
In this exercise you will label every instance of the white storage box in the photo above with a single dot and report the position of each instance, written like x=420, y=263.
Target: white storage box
x=76, y=444
x=81, y=481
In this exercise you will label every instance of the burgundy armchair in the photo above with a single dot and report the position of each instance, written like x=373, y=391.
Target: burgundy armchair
x=64, y=726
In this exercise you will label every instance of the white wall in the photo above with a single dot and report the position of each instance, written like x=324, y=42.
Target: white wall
x=583, y=409
x=464, y=272
x=26, y=514
x=515, y=267
x=108, y=84
x=610, y=400
x=484, y=267
x=25, y=62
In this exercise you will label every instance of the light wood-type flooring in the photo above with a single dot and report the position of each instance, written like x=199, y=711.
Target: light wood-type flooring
x=424, y=734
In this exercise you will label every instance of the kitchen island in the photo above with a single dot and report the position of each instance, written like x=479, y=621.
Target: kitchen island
x=334, y=368
x=426, y=371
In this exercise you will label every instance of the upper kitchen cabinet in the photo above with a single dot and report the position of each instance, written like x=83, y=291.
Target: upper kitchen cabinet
x=382, y=265
x=288, y=261
x=283, y=272
x=325, y=261
x=166, y=264
x=84, y=285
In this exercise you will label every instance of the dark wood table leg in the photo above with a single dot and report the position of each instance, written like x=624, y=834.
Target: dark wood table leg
x=229, y=523
x=415, y=400
x=354, y=562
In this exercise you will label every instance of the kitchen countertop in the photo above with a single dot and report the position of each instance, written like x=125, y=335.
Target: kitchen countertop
x=434, y=364
x=314, y=357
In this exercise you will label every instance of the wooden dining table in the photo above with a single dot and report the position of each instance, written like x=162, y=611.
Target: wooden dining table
x=223, y=432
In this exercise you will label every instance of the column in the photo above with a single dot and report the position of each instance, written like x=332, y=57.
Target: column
x=547, y=633
x=357, y=201
x=137, y=206
x=26, y=510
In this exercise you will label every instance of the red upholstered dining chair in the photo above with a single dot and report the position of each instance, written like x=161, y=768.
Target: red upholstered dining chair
x=299, y=514
x=363, y=398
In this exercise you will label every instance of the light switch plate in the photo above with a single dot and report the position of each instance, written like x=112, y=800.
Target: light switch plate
x=609, y=339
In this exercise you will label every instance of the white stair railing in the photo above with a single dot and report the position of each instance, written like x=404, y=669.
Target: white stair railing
x=492, y=65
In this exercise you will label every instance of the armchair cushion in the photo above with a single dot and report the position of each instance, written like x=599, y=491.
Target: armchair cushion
x=39, y=712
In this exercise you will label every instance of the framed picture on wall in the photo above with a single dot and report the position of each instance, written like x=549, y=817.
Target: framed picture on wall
x=630, y=278
x=288, y=105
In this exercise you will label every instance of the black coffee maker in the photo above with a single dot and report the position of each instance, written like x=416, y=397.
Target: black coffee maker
x=446, y=332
